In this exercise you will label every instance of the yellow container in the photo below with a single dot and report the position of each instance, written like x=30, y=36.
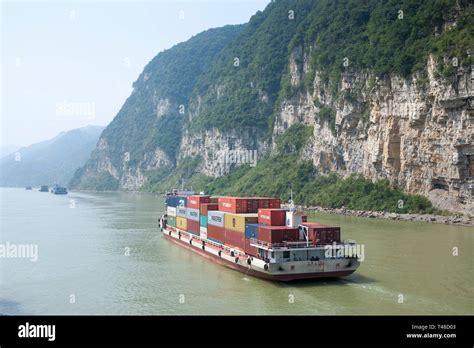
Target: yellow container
x=237, y=222
x=182, y=223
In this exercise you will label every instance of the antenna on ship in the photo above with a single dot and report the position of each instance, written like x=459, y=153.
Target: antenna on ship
x=291, y=202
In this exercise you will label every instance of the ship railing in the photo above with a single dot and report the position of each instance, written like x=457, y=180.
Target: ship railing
x=293, y=244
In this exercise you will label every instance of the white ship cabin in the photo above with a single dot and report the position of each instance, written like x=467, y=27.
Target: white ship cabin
x=294, y=218
x=290, y=254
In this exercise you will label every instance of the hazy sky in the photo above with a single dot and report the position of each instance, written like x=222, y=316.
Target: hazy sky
x=68, y=64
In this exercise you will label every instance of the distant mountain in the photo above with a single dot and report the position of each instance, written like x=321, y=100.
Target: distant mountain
x=51, y=161
x=7, y=149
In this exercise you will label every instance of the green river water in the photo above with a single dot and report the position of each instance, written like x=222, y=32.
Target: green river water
x=101, y=253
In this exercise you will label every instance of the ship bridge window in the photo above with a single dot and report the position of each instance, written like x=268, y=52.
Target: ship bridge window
x=286, y=254
x=233, y=222
x=272, y=255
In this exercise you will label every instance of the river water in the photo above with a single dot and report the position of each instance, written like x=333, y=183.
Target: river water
x=101, y=253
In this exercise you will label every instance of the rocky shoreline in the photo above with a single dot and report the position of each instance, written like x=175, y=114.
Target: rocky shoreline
x=455, y=219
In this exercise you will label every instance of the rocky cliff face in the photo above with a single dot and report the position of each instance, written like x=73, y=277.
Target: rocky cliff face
x=222, y=152
x=127, y=176
x=417, y=134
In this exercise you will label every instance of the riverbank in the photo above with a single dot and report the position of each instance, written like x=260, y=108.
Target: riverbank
x=461, y=220
x=454, y=219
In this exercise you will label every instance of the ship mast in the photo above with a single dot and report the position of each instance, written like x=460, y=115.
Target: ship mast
x=293, y=211
x=291, y=202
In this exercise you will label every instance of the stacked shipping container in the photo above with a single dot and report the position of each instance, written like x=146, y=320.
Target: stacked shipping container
x=322, y=234
x=234, y=221
x=181, y=211
x=215, y=226
x=233, y=204
x=181, y=201
x=234, y=225
x=196, y=201
x=176, y=211
x=204, y=208
x=247, y=204
x=277, y=234
x=171, y=220
x=268, y=203
x=272, y=217
x=208, y=206
x=192, y=215
x=182, y=223
x=251, y=232
x=171, y=210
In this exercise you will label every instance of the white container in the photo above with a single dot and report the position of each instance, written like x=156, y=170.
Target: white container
x=203, y=232
x=181, y=211
x=192, y=213
x=216, y=218
x=171, y=211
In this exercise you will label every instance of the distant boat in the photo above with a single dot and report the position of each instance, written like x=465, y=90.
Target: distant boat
x=59, y=190
x=28, y=188
x=44, y=188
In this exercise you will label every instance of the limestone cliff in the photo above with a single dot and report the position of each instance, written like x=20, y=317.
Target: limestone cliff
x=418, y=135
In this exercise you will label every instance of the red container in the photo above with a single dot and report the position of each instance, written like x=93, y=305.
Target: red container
x=277, y=234
x=323, y=234
x=268, y=203
x=214, y=200
x=252, y=204
x=196, y=200
x=272, y=217
x=235, y=239
x=250, y=250
x=193, y=226
x=263, y=202
x=216, y=233
x=233, y=204
x=274, y=203
x=205, y=207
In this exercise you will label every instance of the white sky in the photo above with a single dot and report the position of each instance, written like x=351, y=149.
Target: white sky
x=68, y=64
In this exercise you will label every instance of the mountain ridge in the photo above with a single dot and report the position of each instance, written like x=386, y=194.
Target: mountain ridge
x=377, y=83
x=51, y=161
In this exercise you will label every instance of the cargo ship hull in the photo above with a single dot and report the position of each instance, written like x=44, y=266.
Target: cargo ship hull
x=239, y=261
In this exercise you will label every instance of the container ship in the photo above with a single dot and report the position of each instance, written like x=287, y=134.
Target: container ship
x=256, y=236
x=58, y=190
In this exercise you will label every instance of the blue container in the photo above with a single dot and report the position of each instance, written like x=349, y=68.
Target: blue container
x=171, y=201
x=251, y=230
x=203, y=220
x=181, y=201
